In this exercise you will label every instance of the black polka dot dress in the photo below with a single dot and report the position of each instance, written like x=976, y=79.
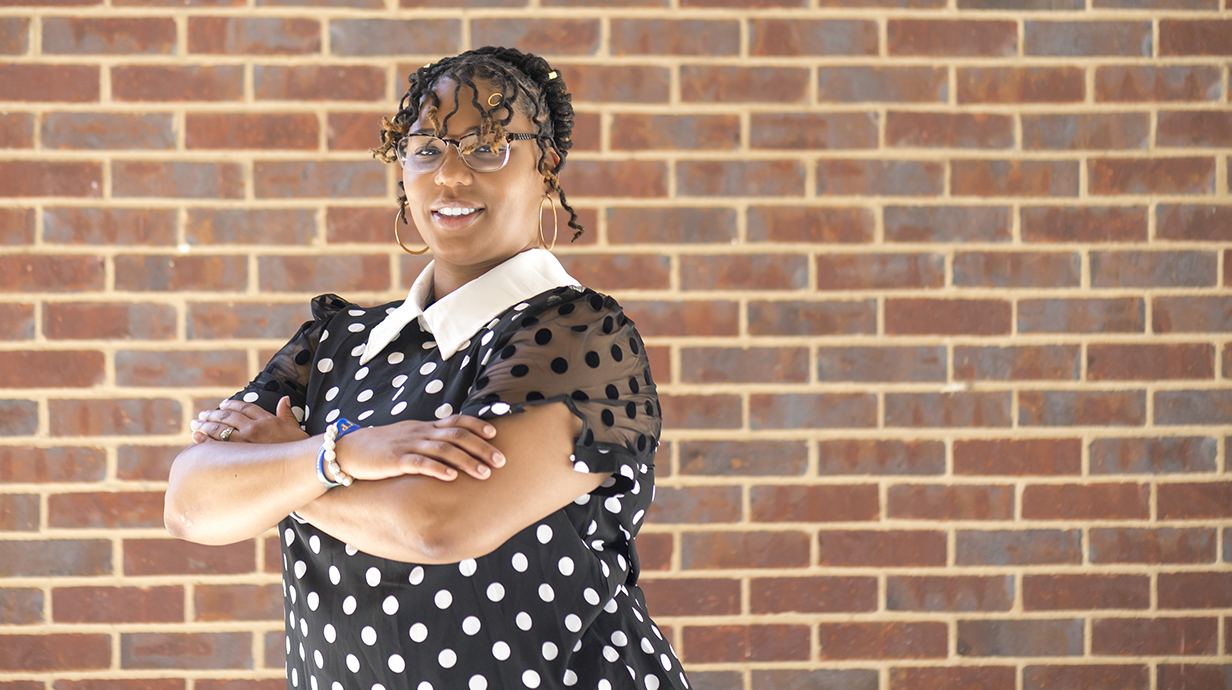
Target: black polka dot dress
x=557, y=605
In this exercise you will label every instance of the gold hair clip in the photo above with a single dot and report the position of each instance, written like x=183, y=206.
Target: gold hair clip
x=428, y=65
x=498, y=98
x=551, y=75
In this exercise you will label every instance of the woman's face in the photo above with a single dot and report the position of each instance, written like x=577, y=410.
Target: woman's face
x=506, y=201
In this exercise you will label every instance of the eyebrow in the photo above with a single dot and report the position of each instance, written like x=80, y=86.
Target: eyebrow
x=428, y=131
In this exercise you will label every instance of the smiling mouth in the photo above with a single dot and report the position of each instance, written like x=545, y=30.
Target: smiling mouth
x=456, y=212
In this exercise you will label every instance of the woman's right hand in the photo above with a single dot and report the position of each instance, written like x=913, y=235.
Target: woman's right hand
x=439, y=449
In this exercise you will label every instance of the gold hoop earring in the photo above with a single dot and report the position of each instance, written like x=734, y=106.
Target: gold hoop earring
x=498, y=96
x=555, y=223
x=402, y=217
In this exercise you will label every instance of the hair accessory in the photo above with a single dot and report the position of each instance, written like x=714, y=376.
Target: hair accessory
x=552, y=75
x=402, y=217
x=498, y=96
x=555, y=223
x=327, y=457
x=428, y=65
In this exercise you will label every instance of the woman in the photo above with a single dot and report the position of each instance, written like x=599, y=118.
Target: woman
x=493, y=434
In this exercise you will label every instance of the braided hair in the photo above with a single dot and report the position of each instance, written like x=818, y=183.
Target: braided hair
x=527, y=85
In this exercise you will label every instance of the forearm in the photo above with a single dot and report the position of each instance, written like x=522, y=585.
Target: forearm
x=221, y=493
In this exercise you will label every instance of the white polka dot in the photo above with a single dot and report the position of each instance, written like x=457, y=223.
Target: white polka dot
x=352, y=663
x=333, y=414
x=530, y=679
x=300, y=568
x=520, y=306
x=361, y=373
x=355, y=327
x=318, y=658
x=550, y=651
x=335, y=575
x=325, y=365
x=368, y=635
x=314, y=543
x=423, y=685
x=251, y=396
x=378, y=686
x=417, y=575
x=356, y=312
x=314, y=600
x=611, y=605
x=467, y=567
x=583, y=499
x=289, y=535
x=523, y=620
x=496, y=591
x=619, y=639
x=573, y=623
x=655, y=629
x=429, y=345
x=466, y=359
x=546, y=593
x=610, y=653
x=336, y=686
x=330, y=633
x=443, y=599
x=620, y=560
x=373, y=576
x=396, y=663
x=477, y=682
x=570, y=677
x=293, y=594
x=544, y=534
x=395, y=358
x=359, y=349
x=591, y=596
x=324, y=337
x=295, y=677
x=501, y=408
x=581, y=466
x=434, y=386
x=364, y=415
x=427, y=368
x=487, y=338
x=303, y=629
x=390, y=605
x=288, y=639
x=470, y=625
x=612, y=504
x=397, y=409
x=365, y=395
x=647, y=645
x=566, y=566
x=500, y=650
x=637, y=517
x=447, y=658
x=350, y=550
x=519, y=562
x=638, y=616
x=667, y=663
x=604, y=684
x=419, y=632
x=348, y=605
x=652, y=682
x=444, y=411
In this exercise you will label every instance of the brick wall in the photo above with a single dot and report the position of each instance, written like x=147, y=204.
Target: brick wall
x=937, y=293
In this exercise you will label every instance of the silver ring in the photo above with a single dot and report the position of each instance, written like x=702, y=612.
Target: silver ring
x=226, y=434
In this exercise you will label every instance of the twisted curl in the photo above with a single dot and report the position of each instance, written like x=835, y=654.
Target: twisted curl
x=521, y=78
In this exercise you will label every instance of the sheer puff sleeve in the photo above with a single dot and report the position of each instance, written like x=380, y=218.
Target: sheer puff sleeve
x=575, y=347
x=287, y=371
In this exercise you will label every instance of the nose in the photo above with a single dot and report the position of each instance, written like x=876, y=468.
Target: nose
x=453, y=171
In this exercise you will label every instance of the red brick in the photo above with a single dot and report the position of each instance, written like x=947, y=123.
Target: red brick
x=720, y=643
x=1018, y=547
x=164, y=650
x=1017, y=269
x=587, y=132
x=1018, y=457
x=1116, y=315
x=1095, y=131
x=792, y=37
x=111, y=510
x=320, y=83
x=812, y=410
x=890, y=549
x=51, y=368
x=19, y=513
x=809, y=224
x=1008, y=638
x=742, y=458
x=175, y=557
x=672, y=37
x=112, y=417
x=1152, y=455
x=109, y=226
x=21, y=606
x=1086, y=502
x=358, y=224
x=756, y=365
x=1086, y=677
x=879, y=271
x=952, y=37
x=642, y=132
x=18, y=224
x=184, y=369
x=1209, y=500
x=237, y=602
x=210, y=226
x=319, y=273
x=962, y=593
x=1193, y=676
x=1162, y=545
x=108, y=320
x=710, y=84
x=14, y=35
x=151, y=463
x=350, y=131
x=743, y=272
x=954, y=678
x=29, y=82
x=1193, y=407
x=237, y=320
x=1192, y=222
x=871, y=84
x=616, y=178
x=950, y=502
x=50, y=178
x=59, y=273
x=394, y=37
x=813, y=131
x=19, y=465
x=118, y=604
x=1084, y=224
x=112, y=131
x=740, y=178
x=1150, y=362
x=55, y=558
x=707, y=550
x=1014, y=178
x=692, y=596
x=120, y=684
x=669, y=225
x=1138, y=83
x=947, y=224
x=620, y=272
x=177, y=83
x=654, y=551
x=879, y=178
x=55, y=652
x=812, y=594
x=889, y=640
x=1209, y=128
x=947, y=317
x=16, y=321
x=1020, y=85
x=834, y=503
x=1081, y=38
x=547, y=37
x=275, y=650
x=108, y=36
x=617, y=83
x=329, y=179
x=1081, y=408
x=180, y=272
x=1085, y=592
x=741, y=4
x=251, y=131
x=695, y=504
x=1153, y=269
x=691, y=317
x=253, y=36
x=1195, y=37
x=16, y=130
x=1195, y=590
x=880, y=457
x=1045, y=362
x=962, y=408
x=1154, y=636
x=1152, y=176
x=949, y=130
x=1197, y=314
x=812, y=318
x=177, y=179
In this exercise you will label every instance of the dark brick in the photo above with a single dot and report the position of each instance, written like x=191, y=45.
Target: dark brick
x=880, y=271
x=1018, y=547
x=1197, y=223
x=706, y=550
x=1014, y=178
x=109, y=226
x=19, y=513
x=693, y=596
x=175, y=557
x=55, y=652
x=1153, y=83
x=182, y=179
x=321, y=82
x=961, y=593
x=954, y=678
x=846, y=503
x=812, y=594
x=1152, y=455
x=814, y=131
x=666, y=132
x=55, y=558
x=880, y=457
x=239, y=320
x=1150, y=362
x=872, y=84
x=1020, y=85
x=329, y=179
x=1202, y=500
x=22, y=606
x=904, y=316
x=888, y=640
x=1151, y=176
x=1025, y=362
x=1194, y=676
x=722, y=84
x=670, y=225
x=108, y=510
x=792, y=37
x=1093, y=131
x=1082, y=408
x=672, y=37
x=727, y=643
x=1195, y=590
x=254, y=35
x=896, y=549
x=1020, y=638
x=1084, y=223
x=177, y=83
x=952, y=37
x=792, y=679
x=950, y=502
x=1154, y=636
x=1153, y=269
x=743, y=272
x=947, y=224
x=879, y=178
x=1208, y=128
x=962, y=408
x=617, y=83
x=151, y=463
x=165, y=650
x=1159, y=545
x=1115, y=315
x=695, y=504
x=233, y=602
x=1017, y=269
x=323, y=272
x=1191, y=314
x=118, y=604
x=1086, y=677
x=897, y=364
x=113, y=417
x=1018, y=457
x=1193, y=407
x=739, y=178
x=852, y=317
x=1195, y=37
x=1085, y=592
x=949, y=130
x=1081, y=38
x=181, y=368
x=742, y=458
x=754, y=365
x=702, y=411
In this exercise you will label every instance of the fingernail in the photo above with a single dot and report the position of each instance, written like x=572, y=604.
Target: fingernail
x=193, y=424
x=484, y=471
x=489, y=430
x=451, y=473
x=498, y=459
x=201, y=414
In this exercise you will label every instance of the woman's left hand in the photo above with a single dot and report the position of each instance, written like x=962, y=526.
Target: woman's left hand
x=249, y=423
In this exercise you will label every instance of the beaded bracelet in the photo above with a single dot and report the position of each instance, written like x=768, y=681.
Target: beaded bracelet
x=327, y=457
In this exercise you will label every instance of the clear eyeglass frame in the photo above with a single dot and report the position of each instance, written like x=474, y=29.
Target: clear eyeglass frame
x=425, y=153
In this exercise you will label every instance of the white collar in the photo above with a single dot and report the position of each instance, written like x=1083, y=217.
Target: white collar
x=454, y=318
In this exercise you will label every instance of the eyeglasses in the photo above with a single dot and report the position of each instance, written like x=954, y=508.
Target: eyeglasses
x=424, y=153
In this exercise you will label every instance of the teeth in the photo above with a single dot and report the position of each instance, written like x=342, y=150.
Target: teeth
x=455, y=212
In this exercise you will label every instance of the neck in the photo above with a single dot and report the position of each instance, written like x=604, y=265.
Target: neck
x=447, y=276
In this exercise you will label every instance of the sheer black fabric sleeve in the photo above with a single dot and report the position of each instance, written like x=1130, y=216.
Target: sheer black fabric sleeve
x=287, y=371
x=578, y=348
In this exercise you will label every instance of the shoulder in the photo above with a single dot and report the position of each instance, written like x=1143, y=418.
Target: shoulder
x=571, y=307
